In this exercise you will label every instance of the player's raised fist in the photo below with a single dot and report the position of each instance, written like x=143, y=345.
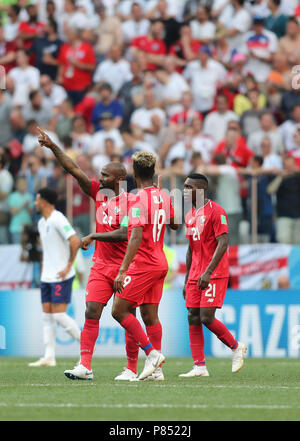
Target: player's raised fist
x=44, y=139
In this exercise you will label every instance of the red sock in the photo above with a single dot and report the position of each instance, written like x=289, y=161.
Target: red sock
x=223, y=334
x=132, y=352
x=133, y=326
x=88, y=338
x=197, y=344
x=154, y=333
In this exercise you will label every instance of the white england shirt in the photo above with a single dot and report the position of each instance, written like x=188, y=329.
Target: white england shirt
x=55, y=233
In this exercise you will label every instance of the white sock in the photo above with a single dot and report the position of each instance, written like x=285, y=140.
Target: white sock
x=68, y=324
x=49, y=335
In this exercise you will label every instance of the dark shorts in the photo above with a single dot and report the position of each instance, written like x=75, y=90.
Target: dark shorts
x=57, y=292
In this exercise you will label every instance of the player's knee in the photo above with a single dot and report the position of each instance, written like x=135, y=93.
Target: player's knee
x=116, y=314
x=194, y=317
x=206, y=318
x=92, y=312
x=149, y=318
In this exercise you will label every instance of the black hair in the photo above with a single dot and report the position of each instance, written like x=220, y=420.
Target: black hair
x=198, y=177
x=48, y=194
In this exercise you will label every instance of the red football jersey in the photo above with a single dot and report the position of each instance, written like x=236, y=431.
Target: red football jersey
x=150, y=46
x=75, y=78
x=203, y=227
x=151, y=210
x=109, y=215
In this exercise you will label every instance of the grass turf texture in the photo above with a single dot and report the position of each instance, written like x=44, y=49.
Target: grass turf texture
x=264, y=390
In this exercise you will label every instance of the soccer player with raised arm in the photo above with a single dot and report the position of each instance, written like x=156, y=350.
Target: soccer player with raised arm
x=59, y=247
x=207, y=273
x=142, y=273
x=109, y=249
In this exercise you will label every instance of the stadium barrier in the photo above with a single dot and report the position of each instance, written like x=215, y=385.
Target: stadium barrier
x=268, y=321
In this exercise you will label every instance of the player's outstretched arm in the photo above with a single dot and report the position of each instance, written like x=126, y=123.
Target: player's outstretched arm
x=215, y=260
x=66, y=162
x=132, y=248
x=119, y=235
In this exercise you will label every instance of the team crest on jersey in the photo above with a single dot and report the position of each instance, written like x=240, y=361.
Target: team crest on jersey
x=202, y=219
x=117, y=210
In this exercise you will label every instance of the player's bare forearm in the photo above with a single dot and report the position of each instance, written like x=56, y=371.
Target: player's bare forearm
x=74, y=242
x=119, y=235
x=188, y=261
x=71, y=167
x=132, y=248
x=218, y=254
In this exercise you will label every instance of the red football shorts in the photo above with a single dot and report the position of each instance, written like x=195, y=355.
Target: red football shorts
x=211, y=297
x=144, y=287
x=100, y=283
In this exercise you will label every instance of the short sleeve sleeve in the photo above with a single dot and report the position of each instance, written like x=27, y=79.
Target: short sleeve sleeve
x=64, y=227
x=220, y=222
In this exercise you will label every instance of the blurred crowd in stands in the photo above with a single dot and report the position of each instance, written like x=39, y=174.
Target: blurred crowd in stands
x=208, y=86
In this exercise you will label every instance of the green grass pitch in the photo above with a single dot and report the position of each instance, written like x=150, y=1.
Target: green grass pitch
x=264, y=390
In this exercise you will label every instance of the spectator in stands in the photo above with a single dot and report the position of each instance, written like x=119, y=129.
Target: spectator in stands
x=204, y=76
x=6, y=186
x=234, y=148
x=21, y=206
x=25, y=78
x=152, y=45
x=107, y=104
x=5, y=112
x=171, y=26
x=46, y=49
x=264, y=207
x=286, y=186
x=136, y=25
x=8, y=51
x=77, y=61
x=131, y=93
x=150, y=118
x=296, y=151
x=31, y=28
x=81, y=139
x=202, y=28
x=215, y=123
x=181, y=120
x=287, y=129
x=271, y=161
x=185, y=49
x=109, y=32
x=279, y=79
x=169, y=89
x=115, y=70
x=238, y=22
x=11, y=24
x=64, y=119
x=250, y=119
x=53, y=94
x=276, y=21
x=268, y=128
x=38, y=110
x=108, y=131
x=57, y=181
x=260, y=46
x=248, y=100
x=289, y=44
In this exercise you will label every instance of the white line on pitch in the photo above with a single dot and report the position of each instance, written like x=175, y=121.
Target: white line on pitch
x=153, y=406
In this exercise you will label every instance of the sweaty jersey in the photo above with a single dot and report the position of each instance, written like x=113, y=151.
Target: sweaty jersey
x=152, y=210
x=109, y=215
x=203, y=226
